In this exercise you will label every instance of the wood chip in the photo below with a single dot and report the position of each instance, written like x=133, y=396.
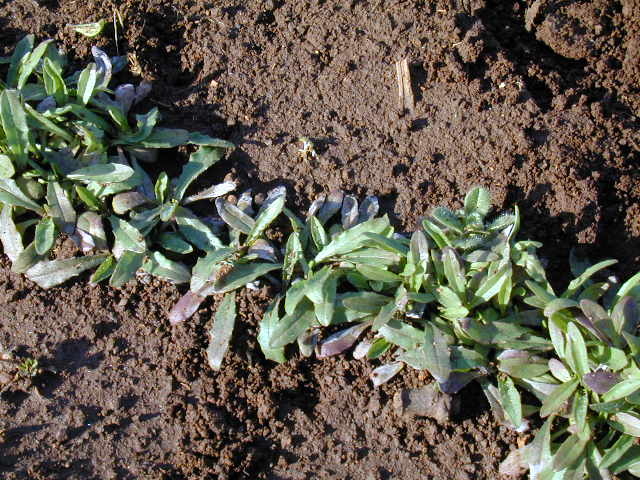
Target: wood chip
x=406, y=100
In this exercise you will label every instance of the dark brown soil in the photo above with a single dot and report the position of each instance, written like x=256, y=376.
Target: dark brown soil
x=539, y=101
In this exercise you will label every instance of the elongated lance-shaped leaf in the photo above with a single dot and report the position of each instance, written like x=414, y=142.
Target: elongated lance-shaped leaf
x=87, y=83
x=267, y=328
x=206, y=267
x=266, y=217
x=127, y=237
x=48, y=273
x=368, y=209
x=31, y=62
x=125, y=201
x=103, y=173
x=195, y=230
x=26, y=259
x=160, y=266
x=290, y=327
x=213, y=191
x=186, y=307
x=9, y=235
x=126, y=268
x=491, y=286
x=60, y=208
x=627, y=288
x=45, y=235
x=90, y=29
x=510, y=400
x=349, y=212
x=538, y=453
x=241, y=274
x=577, y=350
x=617, y=450
x=221, y=331
x=14, y=124
x=331, y=206
x=384, y=373
x=7, y=169
x=569, y=452
x=11, y=194
x=198, y=162
x=576, y=283
x=342, y=340
x=626, y=315
x=561, y=394
x=292, y=255
x=454, y=271
x=351, y=239
x=433, y=355
x=21, y=52
x=234, y=217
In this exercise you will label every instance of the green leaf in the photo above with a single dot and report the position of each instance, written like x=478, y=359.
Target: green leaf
x=627, y=287
x=30, y=62
x=165, y=138
x=435, y=353
x=436, y=233
x=577, y=350
x=318, y=232
x=234, y=217
x=173, y=242
x=87, y=83
x=26, y=259
x=266, y=217
x=267, y=329
x=198, y=162
x=160, y=266
x=126, y=236
x=221, y=331
x=206, y=267
x=10, y=194
x=372, y=256
x=104, y=271
x=44, y=123
x=365, y=302
x=54, y=85
x=351, y=239
x=378, y=274
x=557, y=398
x=385, y=243
x=161, y=187
x=6, y=167
x=383, y=317
x=626, y=422
x=9, y=235
x=48, y=273
x=90, y=30
x=579, y=410
x=402, y=334
x=576, y=283
x=22, y=50
x=292, y=255
x=538, y=453
x=559, y=304
x=198, y=138
x=60, y=208
x=126, y=268
x=290, y=327
x=510, y=400
x=45, y=235
x=454, y=271
x=477, y=200
x=241, y=274
x=616, y=451
x=102, y=173
x=491, y=286
x=622, y=389
x=14, y=124
x=195, y=230
x=569, y=452
x=378, y=348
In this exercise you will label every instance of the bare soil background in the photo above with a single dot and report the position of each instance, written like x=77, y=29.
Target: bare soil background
x=539, y=101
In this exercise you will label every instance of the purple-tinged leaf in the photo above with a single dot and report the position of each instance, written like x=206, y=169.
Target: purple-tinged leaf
x=142, y=91
x=221, y=331
x=385, y=373
x=185, y=308
x=103, y=62
x=125, y=201
x=369, y=209
x=349, y=212
x=316, y=205
x=601, y=381
x=626, y=315
x=458, y=380
x=342, y=340
x=54, y=272
x=331, y=206
x=264, y=250
x=558, y=370
x=361, y=349
x=125, y=95
x=593, y=329
x=214, y=191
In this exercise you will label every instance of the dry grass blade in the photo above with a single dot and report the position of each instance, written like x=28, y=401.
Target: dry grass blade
x=406, y=100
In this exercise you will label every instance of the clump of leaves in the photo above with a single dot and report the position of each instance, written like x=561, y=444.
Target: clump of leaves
x=590, y=386
x=71, y=164
x=17, y=373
